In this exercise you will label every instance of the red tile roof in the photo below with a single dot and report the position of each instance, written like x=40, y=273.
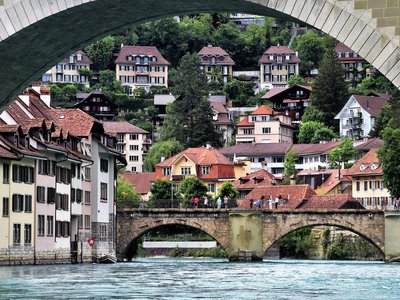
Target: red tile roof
x=77, y=122
x=149, y=51
x=140, y=181
x=122, y=127
x=367, y=165
x=278, y=50
x=206, y=52
x=256, y=179
x=309, y=149
x=293, y=195
x=262, y=110
x=85, y=59
x=333, y=180
x=372, y=105
x=249, y=149
x=330, y=202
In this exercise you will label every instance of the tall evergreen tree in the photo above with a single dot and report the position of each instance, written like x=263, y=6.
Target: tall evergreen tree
x=189, y=118
x=330, y=91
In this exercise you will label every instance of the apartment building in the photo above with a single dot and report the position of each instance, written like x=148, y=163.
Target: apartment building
x=58, y=170
x=97, y=105
x=141, y=67
x=277, y=65
x=132, y=142
x=264, y=126
x=353, y=64
x=73, y=69
x=216, y=63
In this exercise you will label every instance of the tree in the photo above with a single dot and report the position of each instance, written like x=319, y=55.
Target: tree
x=191, y=187
x=311, y=47
x=161, y=149
x=330, y=91
x=314, y=132
x=190, y=117
x=289, y=165
x=296, y=80
x=126, y=194
x=342, y=153
x=311, y=113
x=389, y=157
x=227, y=189
x=101, y=52
x=162, y=195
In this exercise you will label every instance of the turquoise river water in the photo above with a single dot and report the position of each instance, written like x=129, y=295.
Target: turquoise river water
x=166, y=278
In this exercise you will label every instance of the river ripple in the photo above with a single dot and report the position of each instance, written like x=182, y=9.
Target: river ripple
x=166, y=278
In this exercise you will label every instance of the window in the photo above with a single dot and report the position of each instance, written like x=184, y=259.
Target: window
x=41, y=225
x=51, y=195
x=27, y=234
x=87, y=222
x=103, y=191
x=6, y=173
x=186, y=171
x=62, y=202
x=133, y=137
x=365, y=185
x=41, y=194
x=6, y=210
x=22, y=174
x=49, y=225
x=18, y=203
x=266, y=130
x=28, y=203
x=205, y=170
x=211, y=187
x=73, y=195
x=87, y=197
x=357, y=186
x=80, y=221
x=17, y=234
x=166, y=171
x=104, y=165
x=133, y=158
x=63, y=175
x=79, y=195
x=102, y=232
x=248, y=131
x=62, y=229
x=87, y=174
x=133, y=147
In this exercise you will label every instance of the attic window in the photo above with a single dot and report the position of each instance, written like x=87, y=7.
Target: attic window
x=374, y=167
x=362, y=167
x=154, y=58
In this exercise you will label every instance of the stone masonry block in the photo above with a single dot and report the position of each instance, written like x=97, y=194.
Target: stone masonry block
x=323, y=16
x=315, y=12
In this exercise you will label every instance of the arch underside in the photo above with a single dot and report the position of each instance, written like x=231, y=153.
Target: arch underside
x=379, y=244
x=38, y=45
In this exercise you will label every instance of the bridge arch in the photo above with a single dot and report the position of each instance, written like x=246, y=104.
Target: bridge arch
x=37, y=34
x=355, y=224
x=130, y=229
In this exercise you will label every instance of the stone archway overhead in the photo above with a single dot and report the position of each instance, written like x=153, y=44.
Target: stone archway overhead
x=36, y=34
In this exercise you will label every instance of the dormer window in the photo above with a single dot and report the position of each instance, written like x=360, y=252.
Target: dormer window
x=213, y=60
x=145, y=60
x=279, y=59
x=253, y=118
x=287, y=57
x=79, y=56
x=137, y=59
x=71, y=59
x=154, y=58
x=271, y=57
x=16, y=140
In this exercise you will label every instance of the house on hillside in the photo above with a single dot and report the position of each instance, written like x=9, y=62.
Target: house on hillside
x=292, y=100
x=353, y=64
x=141, y=182
x=367, y=182
x=131, y=141
x=97, y=105
x=277, y=65
x=205, y=163
x=246, y=184
x=73, y=69
x=312, y=156
x=358, y=116
x=223, y=122
x=326, y=182
x=216, y=63
x=264, y=126
x=141, y=67
x=268, y=156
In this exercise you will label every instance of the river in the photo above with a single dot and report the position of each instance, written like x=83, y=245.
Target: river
x=168, y=278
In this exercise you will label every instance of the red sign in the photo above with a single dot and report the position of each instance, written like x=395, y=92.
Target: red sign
x=91, y=241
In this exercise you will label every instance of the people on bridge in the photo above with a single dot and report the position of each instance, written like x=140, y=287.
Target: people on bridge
x=219, y=202
x=205, y=202
x=226, y=202
x=277, y=199
x=251, y=203
x=270, y=202
x=196, y=202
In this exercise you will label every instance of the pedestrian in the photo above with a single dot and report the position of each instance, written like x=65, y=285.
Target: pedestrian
x=262, y=202
x=277, y=199
x=251, y=203
x=205, y=201
x=219, y=202
x=226, y=200
x=196, y=202
x=141, y=203
x=270, y=202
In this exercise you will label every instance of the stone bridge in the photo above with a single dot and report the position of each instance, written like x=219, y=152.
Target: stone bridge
x=254, y=232
x=37, y=34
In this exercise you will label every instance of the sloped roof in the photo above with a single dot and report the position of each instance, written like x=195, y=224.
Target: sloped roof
x=200, y=156
x=279, y=90
x=331, y=202
x=74, y=120
x=369, y=144
x=140, y=181
x=219, y=107
x=282, y=50
x=262, y=110
x=140, y=51
x=114, y=127
x=293, y=195
x=367, y=165
x=256, y=179
x=249, y=149
x=309, y=149
x=215, y=51
x=332, y=181
x=372, y=105
x=85, y=59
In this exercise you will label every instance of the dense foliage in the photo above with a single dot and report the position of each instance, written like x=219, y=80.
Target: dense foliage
x=159, y=150
x=126, y=194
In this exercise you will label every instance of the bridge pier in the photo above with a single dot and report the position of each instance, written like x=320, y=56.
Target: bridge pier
x=245, y=236
x=392, y=236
